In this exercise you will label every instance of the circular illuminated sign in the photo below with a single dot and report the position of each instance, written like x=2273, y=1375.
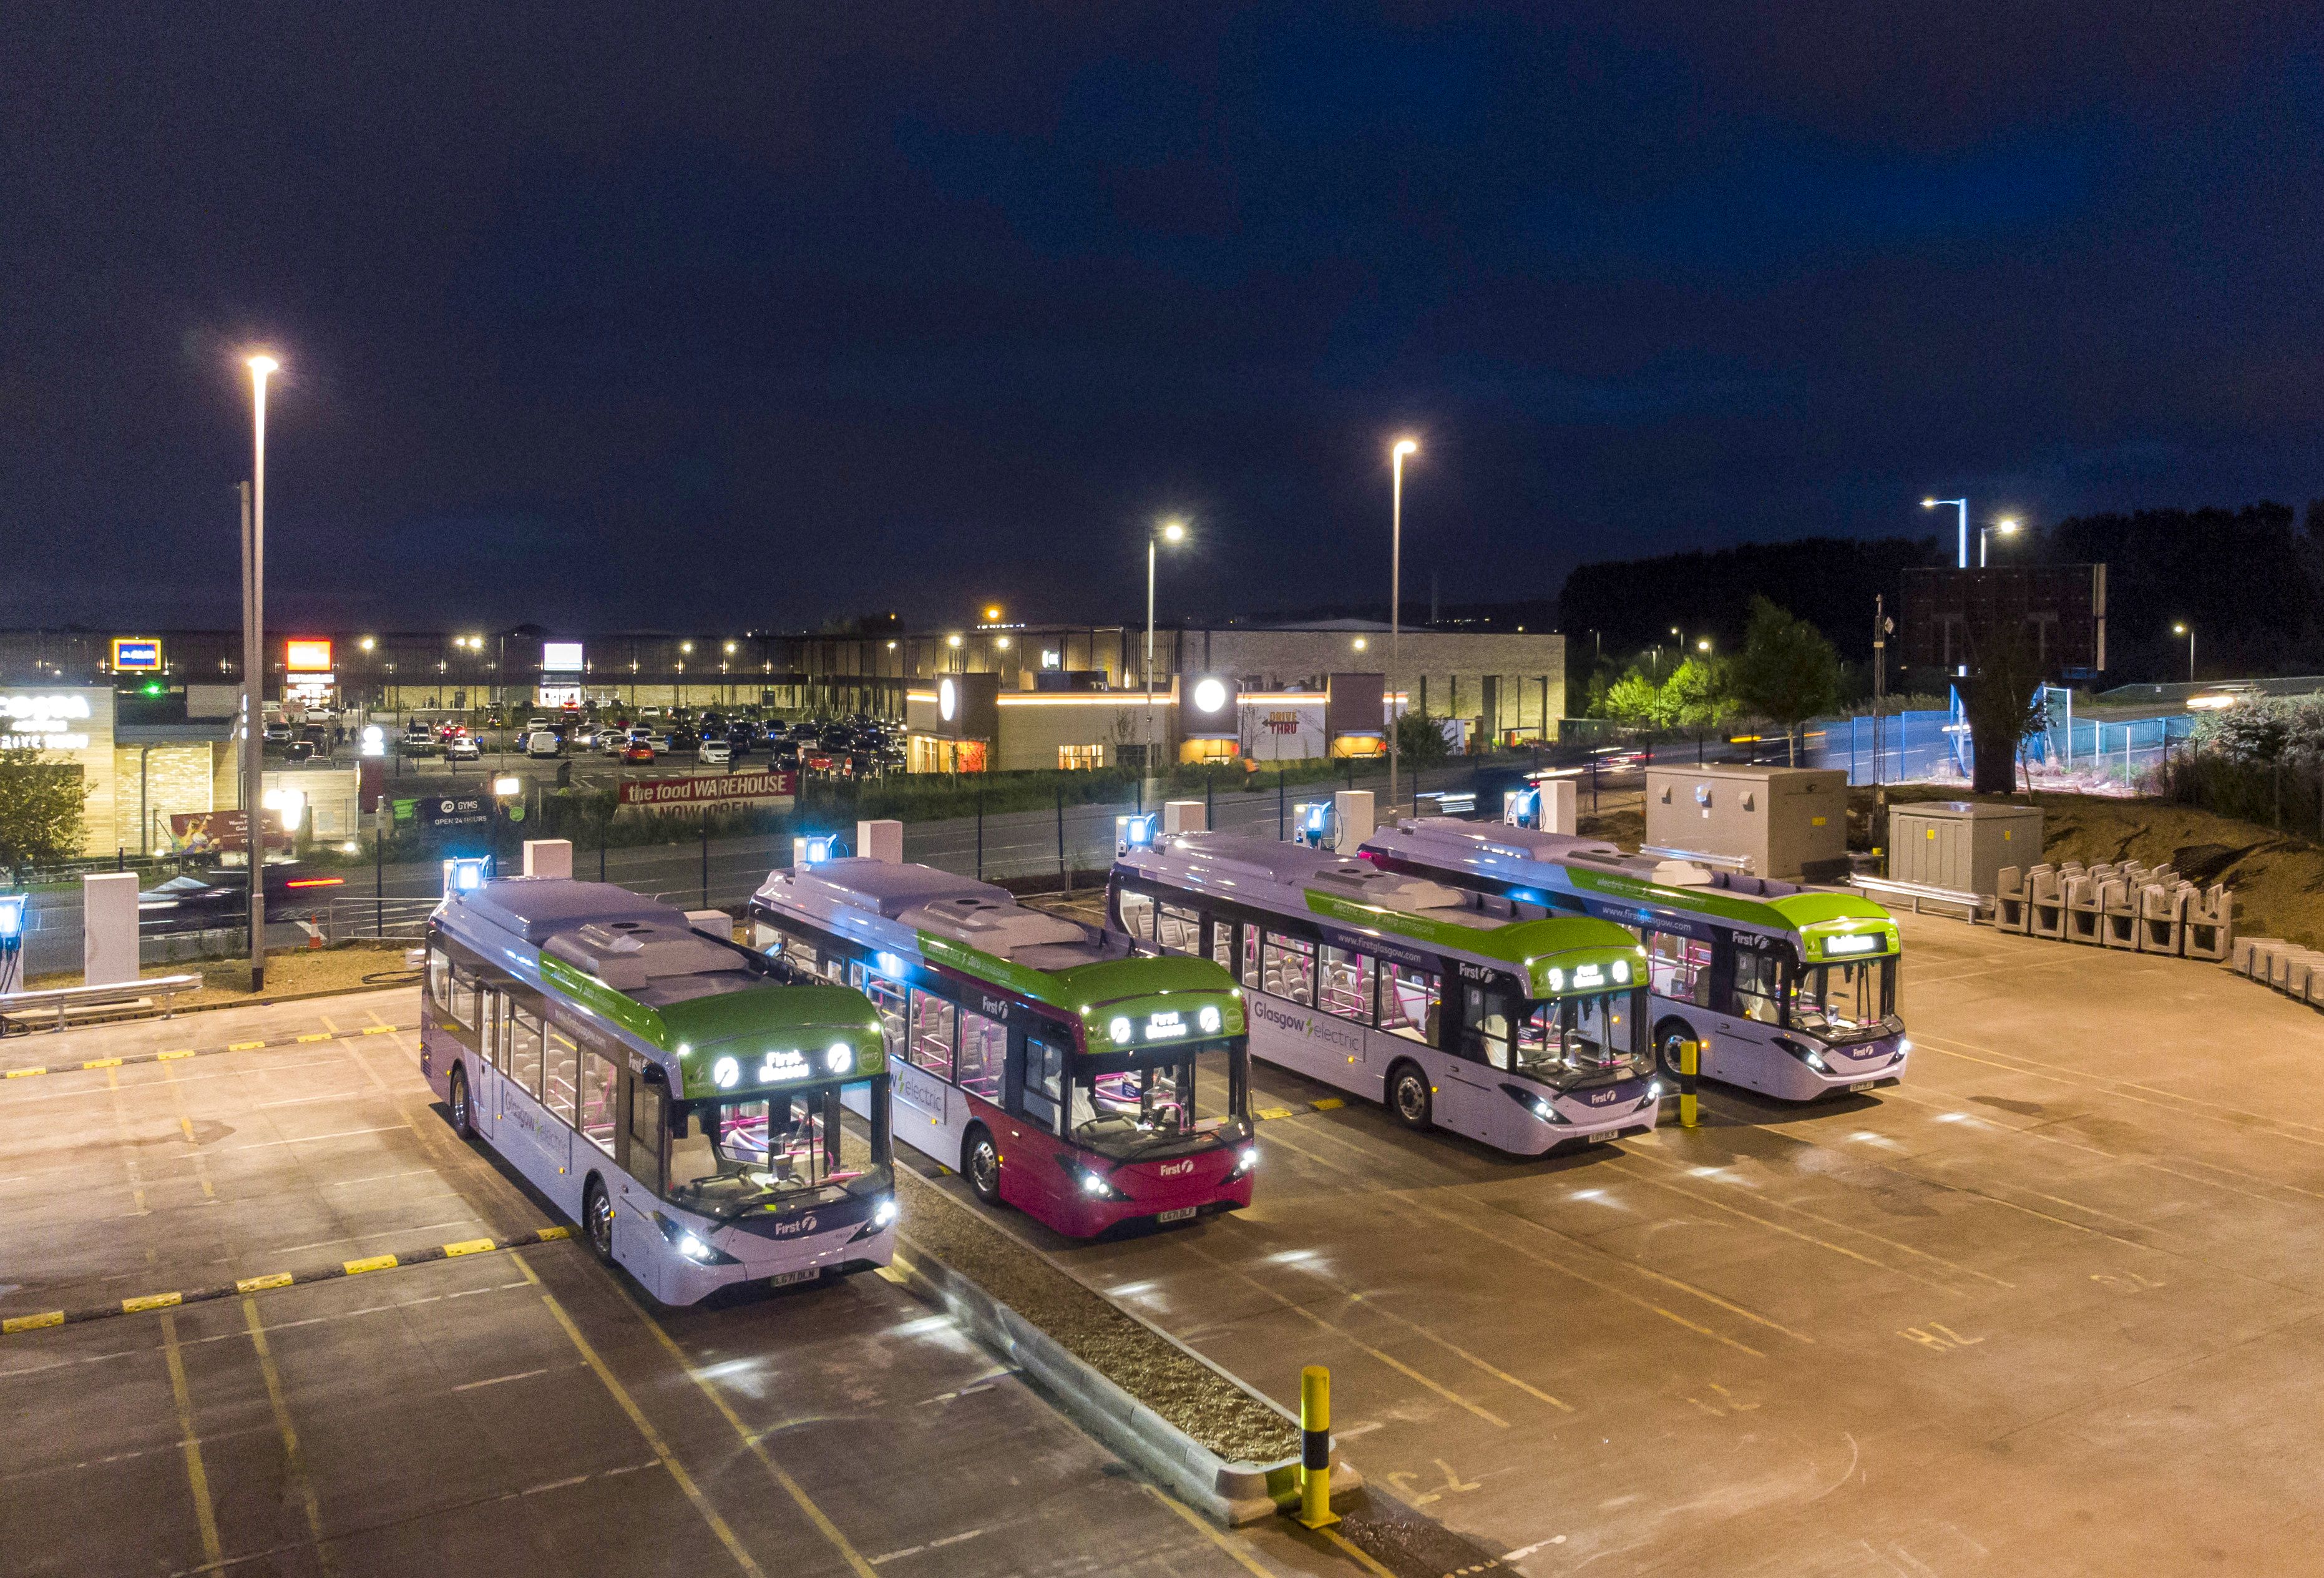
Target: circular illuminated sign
x=948, y=699
x=1209, y=695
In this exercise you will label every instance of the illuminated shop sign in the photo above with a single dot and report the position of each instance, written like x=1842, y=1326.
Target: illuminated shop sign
x=137, y=655
x=306, y=656
x=561, y=657
x=43, y=723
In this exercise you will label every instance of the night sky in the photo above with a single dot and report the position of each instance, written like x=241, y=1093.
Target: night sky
x=760, y=314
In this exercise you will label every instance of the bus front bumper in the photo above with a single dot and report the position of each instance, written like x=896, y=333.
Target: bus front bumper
x=810, y=1256
x=1844, y=1069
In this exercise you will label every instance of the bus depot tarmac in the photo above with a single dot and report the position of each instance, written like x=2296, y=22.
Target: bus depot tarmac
x=2050, y=1305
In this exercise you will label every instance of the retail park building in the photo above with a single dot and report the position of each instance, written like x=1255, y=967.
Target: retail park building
x=155, y=742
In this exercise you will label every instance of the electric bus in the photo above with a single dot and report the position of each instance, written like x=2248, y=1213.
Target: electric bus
x=1790, y=991
x=1057, y=1071
x=676, y=1093
x=1447, y=1006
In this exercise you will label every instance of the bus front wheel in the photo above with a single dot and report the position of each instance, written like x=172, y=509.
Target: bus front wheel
x=1409, y=1096
x=598, y=1220
x=1667, y=1037
x=979, y=1161
x=462, y=1115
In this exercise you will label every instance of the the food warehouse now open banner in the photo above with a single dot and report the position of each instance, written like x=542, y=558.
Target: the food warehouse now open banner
x=710, y=790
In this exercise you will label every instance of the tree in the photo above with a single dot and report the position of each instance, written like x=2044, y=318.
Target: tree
x=1420, y=741
x=1698, y=696
x=39, y=810
x=2002, y=702
x=1787, y=673
x=1632, y=699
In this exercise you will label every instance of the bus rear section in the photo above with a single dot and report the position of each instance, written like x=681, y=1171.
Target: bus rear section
x=1058, y=1071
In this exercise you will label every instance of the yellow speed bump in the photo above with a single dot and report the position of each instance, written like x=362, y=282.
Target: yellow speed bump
x=245, y=1045
x=469, y=1246
x=261, y=1284
x=370, y=1263
x=151, y=1301
x=32, y=1322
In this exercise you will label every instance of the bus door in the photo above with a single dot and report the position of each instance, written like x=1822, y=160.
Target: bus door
x=484, y=1086
x=1479, y=1062
x=1030, y=1177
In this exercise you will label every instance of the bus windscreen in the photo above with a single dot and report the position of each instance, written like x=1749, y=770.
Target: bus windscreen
x=1143, y=1104
x=1582, y=1038
x=1845, y=1001
x=730, y=1156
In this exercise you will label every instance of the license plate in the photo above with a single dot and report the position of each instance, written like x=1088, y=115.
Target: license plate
x=785, y=1279
x=1182, y=1213
x=1601, y=1137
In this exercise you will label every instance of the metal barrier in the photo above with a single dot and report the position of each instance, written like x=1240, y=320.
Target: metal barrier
x=1921, y=893
x=388, y=919
x=1730, y=862
x=64, y=1000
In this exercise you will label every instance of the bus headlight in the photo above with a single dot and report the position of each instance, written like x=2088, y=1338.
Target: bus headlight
x=1654, y=1091
x=1210, y=1019
x=1247, y=1161
x=884, y=1214
x=1094, y=1185
x=694, y=1249
x=725, y=1073
x=839, y=1057
x=1905, y=1045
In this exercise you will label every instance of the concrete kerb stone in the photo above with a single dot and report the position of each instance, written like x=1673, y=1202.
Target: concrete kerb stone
x=1230, y=1493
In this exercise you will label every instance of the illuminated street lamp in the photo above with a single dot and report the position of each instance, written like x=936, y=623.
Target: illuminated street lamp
x=1172, y=532
x=253, y=665
x=2004, y=528
x=1404, y=446
x=1962, y=505
x=2188, y=631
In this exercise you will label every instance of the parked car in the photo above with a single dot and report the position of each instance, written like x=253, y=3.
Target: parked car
x=278, y=734
x=222, y=898
x=543, y=742
x=715, y=753
x=637, y=751
x=463, y=748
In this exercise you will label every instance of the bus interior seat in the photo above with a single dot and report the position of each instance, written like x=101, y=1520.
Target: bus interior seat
x=692, y=1159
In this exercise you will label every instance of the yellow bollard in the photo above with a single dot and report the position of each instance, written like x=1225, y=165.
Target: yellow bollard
x=1690, y=1064
x=1316, y=1447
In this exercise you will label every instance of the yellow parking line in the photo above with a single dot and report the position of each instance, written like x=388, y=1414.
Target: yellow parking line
x=620, y=1394
x=369, y=1264
x=1363, y=1559
x=294, y=1462
x=1249, y=1562
x=791, y=1487
x=205, y=1513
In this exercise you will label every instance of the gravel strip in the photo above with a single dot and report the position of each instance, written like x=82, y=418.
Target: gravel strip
x=1136, y=1358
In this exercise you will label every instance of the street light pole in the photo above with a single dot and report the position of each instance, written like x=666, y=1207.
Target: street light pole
x=2007, y=529
x=1169, y=531
x=2188, y=631
x=1962, y=505
x=1404, y=446
x=253, y=669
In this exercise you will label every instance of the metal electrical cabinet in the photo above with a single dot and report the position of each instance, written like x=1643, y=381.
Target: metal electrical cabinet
x=1961, y=844
x=1789, y=822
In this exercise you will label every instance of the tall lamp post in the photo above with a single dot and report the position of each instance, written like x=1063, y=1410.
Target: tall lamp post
x=1962, y=505
x=2002, y=527
x=1173, y=532
x=1404, y=446
x=2188, y=631
x=253, y=668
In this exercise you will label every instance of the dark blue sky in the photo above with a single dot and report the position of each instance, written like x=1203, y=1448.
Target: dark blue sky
x=757, y=315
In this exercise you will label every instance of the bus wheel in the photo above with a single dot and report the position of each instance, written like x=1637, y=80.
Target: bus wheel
x=980, y=1162
x=1409, y=1096
x=463, y=1118
x=597, y=1219
x=1667, y=1036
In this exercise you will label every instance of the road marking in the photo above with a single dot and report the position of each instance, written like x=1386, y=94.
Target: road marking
x=520, y=1375
x=197, y=1478
x=652, y=1436
x=791, y=1487
x=1249, y=1562
x=1792, y=1232
x=1363, y=1557
x=294, y=1461
x=129, y=1058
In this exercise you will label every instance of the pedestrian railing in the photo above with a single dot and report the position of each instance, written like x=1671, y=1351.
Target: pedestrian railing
x=67, y=1002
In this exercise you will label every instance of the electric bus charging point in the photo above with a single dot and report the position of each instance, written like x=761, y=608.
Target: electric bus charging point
x=1185, y=816
x=814, y=849
x=1351, y=810
x=465, y=873
x=11, y=942
x=108, y=937
x=1316, y=1448
x=1311, y=824
x=548, y=857
x=882, y=840
x=1546, y=805
x=1135, y=832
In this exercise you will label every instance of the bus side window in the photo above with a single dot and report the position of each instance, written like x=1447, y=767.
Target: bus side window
x=1679, y=967
x=1045, y=1070
x=1485, y=1032
x=932, y=1029
x=888, y=999
x=835, y=971
x=1222, y=950
x=1756, y=994
x=1290, y=968
x=983, y=1047
x=439, y=977
x=800, y=952
x=1181, y=930
x=490, y=1024
x=523, y=1064
x=1138, y=915
x=1347, y=985
x=463, y=1001
x=1250, y=955
x=597, y=1101
x=647, y=1105
x=1409, y=999
x=563, y=1083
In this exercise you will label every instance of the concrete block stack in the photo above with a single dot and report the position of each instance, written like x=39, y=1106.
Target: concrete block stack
x=2147, y=910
